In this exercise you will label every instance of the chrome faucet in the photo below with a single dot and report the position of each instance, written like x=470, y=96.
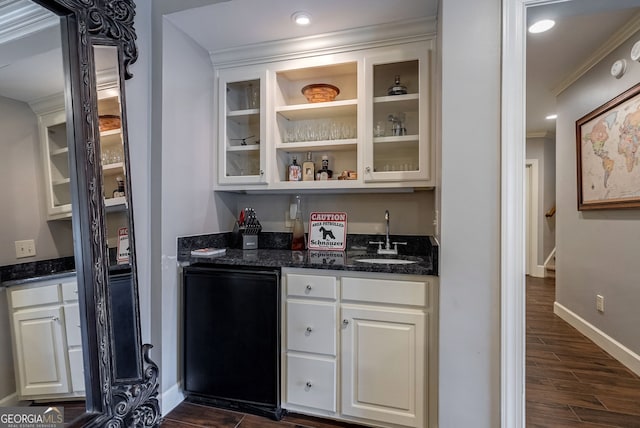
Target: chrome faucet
x=387, y=243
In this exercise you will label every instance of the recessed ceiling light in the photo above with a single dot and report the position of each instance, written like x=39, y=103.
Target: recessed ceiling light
x=301, y=18
x=542, y=26
x=551, y=117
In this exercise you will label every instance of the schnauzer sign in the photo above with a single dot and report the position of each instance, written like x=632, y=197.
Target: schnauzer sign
x=327, y=231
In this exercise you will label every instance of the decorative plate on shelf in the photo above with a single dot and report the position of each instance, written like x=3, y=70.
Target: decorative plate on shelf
x=320, y=92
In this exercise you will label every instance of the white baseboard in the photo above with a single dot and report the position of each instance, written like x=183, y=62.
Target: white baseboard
x=616, y=349
x=10, y=400
x=538, y=271
x=170, y=399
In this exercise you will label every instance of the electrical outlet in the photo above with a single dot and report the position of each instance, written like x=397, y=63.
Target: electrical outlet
x=600, y=303
x=288, y=222
x=26, y=248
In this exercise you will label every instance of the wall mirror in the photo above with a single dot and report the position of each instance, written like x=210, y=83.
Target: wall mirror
x=75, y=56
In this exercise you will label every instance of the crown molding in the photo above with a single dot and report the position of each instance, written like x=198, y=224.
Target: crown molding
x=19, y=18
x=48, y=104
x=328, y=43
x=617, y=39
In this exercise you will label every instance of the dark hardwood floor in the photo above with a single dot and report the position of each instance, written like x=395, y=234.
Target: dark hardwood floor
x=570, y=381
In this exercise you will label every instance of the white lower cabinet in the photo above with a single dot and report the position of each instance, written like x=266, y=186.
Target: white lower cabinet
x=40, y=351
x=46, y=339
x=383, y=365
x=360, y=347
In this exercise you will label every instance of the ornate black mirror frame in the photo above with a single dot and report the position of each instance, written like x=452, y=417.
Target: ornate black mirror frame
x=111, y=402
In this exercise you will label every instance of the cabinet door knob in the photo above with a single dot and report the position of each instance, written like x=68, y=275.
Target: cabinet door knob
x=56, y=319
x=309, y=329
x=309, y=384
x=345, y=322
x=309, y=287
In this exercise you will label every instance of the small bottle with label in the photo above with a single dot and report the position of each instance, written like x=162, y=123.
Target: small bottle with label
x=308, y=169
x=325, y=172
x=295, y=171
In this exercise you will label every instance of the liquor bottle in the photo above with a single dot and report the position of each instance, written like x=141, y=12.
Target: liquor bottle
x=308, y=169
x=397, y=88
x=297, y=240
x=325, y=172
x=295, y=171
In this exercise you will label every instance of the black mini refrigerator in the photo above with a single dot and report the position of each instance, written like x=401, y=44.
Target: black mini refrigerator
x=231, y=338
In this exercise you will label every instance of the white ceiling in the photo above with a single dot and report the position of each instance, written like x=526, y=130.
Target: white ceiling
x=581, y=27
x=229, y=24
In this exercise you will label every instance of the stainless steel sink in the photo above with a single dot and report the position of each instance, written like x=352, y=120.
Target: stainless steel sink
x=386, y=261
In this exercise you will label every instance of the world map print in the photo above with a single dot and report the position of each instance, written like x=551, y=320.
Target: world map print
x=610, y=154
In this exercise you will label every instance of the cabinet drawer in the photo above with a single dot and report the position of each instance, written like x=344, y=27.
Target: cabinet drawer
x=311, y=382
x=70, y=291
x=386, y=291
x=312, y=286
x=311, y=327
x=34, y=296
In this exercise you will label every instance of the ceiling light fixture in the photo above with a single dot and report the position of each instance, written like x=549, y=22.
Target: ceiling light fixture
x=552, y=117
x=301, y=18
x=542, y=26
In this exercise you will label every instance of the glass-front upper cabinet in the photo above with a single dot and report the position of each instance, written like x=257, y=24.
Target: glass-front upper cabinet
x=241, y=127
x=397, y=141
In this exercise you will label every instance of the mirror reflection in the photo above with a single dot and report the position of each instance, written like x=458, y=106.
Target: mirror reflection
x=123, y=298
x=40, y=339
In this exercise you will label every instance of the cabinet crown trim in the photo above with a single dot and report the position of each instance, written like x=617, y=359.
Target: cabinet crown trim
x=340, y=41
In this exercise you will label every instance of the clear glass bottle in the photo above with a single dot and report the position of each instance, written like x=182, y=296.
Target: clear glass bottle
x=308, y=169
x=297, y=240
x=397, y=88
x=295, y=171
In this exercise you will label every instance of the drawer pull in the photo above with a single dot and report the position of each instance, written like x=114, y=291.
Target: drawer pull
x=345, y=322
x=309, y=287
x=309, y=330
x=309, y=384
x=56, y=319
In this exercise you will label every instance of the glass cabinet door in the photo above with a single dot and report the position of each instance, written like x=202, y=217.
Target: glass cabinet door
x=397, y=143
x=241, y=127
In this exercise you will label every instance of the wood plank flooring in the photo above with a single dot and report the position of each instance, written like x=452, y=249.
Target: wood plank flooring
x=189, y=415
x=571, y=382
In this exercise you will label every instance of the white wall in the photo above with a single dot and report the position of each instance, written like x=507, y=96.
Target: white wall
x=410, y=213
x=544, y=150
x=470, y=221
x=188, y=203
x=22, y=190
x=597, y=251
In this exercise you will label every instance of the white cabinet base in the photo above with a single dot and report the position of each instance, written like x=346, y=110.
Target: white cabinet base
x=40, y=351
x=383, y=362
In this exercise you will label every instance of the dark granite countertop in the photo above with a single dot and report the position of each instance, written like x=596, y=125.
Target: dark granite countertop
x=423, y=253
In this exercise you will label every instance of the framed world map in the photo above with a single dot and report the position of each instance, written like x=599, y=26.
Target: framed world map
x=608, y=154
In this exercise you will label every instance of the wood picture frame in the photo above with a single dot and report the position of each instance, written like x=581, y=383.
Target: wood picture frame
x=608, y=154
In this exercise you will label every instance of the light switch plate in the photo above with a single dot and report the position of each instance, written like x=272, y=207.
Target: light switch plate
x=26, y=248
